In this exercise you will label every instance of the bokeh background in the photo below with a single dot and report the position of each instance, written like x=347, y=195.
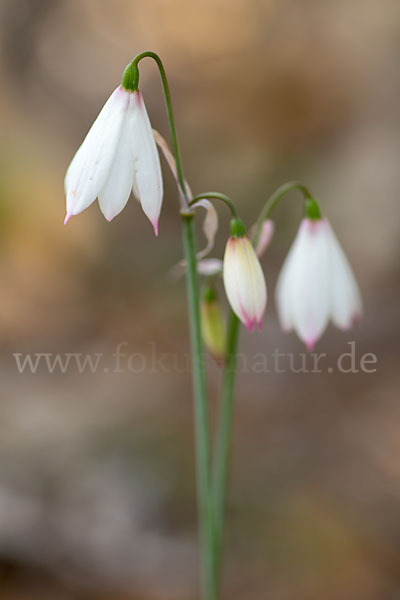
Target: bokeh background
x=97, y=492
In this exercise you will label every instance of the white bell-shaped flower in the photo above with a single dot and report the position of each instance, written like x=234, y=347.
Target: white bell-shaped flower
x=316, y=284
x=118, y=155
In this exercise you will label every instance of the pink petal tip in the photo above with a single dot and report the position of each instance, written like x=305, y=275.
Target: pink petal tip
x=250, y=325
x=67, y=218
x=310, y=344
x=259, y=325
x=155, y=225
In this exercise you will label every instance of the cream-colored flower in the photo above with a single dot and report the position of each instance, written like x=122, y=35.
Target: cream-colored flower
x=243, y=278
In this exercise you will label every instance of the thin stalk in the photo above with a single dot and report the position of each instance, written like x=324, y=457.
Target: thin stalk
x=223, y=439
x=201, y=413
x=205, y=508
x=273, y=201
x=215, y=196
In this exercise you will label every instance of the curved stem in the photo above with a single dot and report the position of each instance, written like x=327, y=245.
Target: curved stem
x=223, y=439
x=273, y=201
x=131, y=76
x=216, y=196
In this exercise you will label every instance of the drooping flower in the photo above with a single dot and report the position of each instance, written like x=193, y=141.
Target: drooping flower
x=118, y=155
x=243, y=277
x=316, y=284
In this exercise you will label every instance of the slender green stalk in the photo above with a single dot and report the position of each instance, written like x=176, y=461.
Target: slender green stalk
x=223, y=439
x=201, y=414
x=273, y=201
x=215, y=196
x=130, y=80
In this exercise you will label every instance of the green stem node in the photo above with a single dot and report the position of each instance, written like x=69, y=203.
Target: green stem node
x=238, y=229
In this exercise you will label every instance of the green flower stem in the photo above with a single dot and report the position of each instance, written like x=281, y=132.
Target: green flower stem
x=273, y=201
x=201, y=415
x=215, y=196
x=223, y=439
x=130, y=80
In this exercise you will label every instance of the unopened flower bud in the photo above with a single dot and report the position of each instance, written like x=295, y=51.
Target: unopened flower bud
x=212, y=323
x=243, y=277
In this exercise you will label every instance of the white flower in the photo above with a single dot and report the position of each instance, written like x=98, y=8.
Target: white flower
x=316, y=284
x=118, y=155
x=244, y=281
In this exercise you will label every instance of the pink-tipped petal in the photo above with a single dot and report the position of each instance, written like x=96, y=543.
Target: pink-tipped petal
x=303, y=288
x=310, y=344
x=265, y=238
x=67, y=218
x=244, y=281
x=147, y=184
x=89, y=170
x=250, y=325
x=345, y=294
x=259, y=325
x=155, y=226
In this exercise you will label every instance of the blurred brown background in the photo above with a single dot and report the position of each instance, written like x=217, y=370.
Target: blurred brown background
x=97, y=495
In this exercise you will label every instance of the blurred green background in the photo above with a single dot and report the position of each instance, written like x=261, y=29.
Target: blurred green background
x=97, y=493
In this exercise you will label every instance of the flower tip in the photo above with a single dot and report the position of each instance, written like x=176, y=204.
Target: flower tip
x=250, y=325
x=155, y=225
x=310, y=344
x=259, y=325
x=67, y=218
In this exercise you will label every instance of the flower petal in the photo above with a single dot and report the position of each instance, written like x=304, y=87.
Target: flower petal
x=147, y=180
x=311, y=283
x=115, y=194
x=90, y=167
x=210, y=225
x=266, y=235
x=303, y=288
x=283, y=292
x=209, y=266
x=162, y=144
x=346, y=303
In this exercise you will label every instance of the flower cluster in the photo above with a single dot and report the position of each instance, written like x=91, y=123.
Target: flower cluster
x=316, y=284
